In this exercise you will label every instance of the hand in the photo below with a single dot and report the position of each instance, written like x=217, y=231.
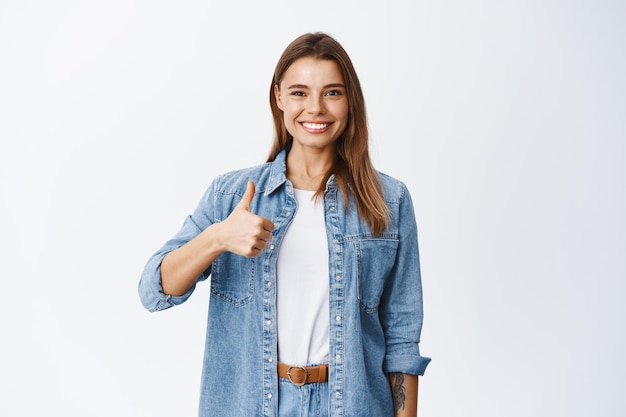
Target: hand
x=243, y=232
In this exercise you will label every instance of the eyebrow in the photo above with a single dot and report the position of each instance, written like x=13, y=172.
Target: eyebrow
x=336, y=85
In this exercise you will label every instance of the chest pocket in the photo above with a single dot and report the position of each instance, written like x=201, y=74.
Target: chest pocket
x=232, y=279
x=375, y=260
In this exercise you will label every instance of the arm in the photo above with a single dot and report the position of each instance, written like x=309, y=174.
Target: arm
x=181, y=267
x=243, y=233
x=404, y=389
x=401, y=316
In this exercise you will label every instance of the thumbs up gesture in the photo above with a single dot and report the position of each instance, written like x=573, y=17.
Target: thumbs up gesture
x=244, y=232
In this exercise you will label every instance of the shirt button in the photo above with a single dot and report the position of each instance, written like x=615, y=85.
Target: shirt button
x=287, y=213
x=269, y=395
x=332, y=208
x=338, y=277
x=270, y=360
x=271, y=247
x=269, y=322
x=338, y=358
x=337, y=319
x=269, y=283
x=335, y=241
x=337, y=394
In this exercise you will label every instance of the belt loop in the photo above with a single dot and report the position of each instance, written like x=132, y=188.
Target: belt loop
x=323, y=372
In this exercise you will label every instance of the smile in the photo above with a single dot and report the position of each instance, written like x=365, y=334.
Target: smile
x=315, y=126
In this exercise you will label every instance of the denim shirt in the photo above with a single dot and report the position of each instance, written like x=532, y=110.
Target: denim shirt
x=375, y=298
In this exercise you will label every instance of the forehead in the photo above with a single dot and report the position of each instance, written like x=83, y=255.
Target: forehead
x=312, y=72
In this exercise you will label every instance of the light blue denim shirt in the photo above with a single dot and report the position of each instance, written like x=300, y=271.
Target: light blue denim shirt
x=375, y=299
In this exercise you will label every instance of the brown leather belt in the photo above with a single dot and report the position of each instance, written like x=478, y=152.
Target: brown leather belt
x=300, y=375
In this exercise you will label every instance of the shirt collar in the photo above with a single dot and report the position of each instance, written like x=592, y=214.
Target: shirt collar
x=278, y=172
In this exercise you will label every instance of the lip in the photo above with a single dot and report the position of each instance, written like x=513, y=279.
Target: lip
x=315, y=127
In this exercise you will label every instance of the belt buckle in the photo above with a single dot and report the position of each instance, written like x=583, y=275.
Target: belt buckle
x=306, y=375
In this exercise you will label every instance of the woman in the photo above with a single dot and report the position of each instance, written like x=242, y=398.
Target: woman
x=316, y=304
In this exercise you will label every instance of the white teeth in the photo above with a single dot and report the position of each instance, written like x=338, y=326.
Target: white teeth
x=315, y=125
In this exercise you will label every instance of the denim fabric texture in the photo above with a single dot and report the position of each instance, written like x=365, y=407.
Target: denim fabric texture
x=375, y=299
x=309, y=400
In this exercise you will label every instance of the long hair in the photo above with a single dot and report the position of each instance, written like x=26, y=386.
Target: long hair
x=352, y=167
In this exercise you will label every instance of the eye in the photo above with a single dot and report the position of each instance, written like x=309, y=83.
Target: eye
x=297, y=93
x=334, y=93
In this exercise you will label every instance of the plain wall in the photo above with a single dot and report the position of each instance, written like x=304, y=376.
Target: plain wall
x=504, y=118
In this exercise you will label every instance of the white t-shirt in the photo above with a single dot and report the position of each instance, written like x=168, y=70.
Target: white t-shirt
x=302, y=287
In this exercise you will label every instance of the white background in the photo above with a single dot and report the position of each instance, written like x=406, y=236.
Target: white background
x=506, y=119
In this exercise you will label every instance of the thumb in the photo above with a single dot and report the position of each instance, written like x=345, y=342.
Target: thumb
x=244, y=203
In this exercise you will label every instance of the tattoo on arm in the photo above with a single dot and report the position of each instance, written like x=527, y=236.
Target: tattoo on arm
x=398, y=391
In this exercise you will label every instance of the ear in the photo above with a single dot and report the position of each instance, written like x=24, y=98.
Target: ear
x=278, y=97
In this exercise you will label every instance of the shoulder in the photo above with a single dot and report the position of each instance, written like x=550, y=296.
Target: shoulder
x=394, y=190
x=266, y=177
x=237, y=180
x=399, y=202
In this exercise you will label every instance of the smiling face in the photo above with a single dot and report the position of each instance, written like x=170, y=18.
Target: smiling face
x=312, y=96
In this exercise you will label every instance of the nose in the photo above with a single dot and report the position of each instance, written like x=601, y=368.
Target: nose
x=315, y=105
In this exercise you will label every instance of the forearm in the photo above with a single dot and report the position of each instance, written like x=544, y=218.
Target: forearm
x=182, y=267
x=404, y=389
x=243, y=233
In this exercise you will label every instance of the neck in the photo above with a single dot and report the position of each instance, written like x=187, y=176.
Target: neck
x=306, y=170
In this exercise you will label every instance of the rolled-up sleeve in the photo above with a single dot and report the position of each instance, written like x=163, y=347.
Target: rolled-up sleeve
x=401, y=310
x=150, y=289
